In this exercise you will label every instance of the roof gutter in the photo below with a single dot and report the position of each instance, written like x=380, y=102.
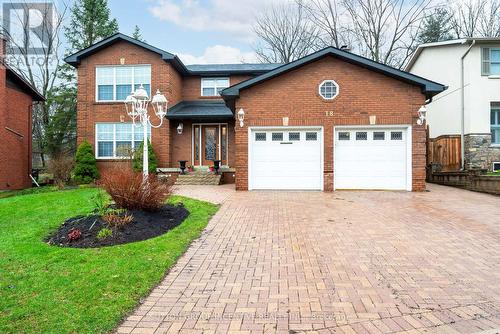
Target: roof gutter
x=462, y=105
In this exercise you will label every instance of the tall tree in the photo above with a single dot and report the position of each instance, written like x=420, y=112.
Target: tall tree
x=436, y=27
x=386, y=30
x=137, y=34
x=329, y=16
x=38, y=63
x=90, y=22
x=285, y=34
x=476, y=18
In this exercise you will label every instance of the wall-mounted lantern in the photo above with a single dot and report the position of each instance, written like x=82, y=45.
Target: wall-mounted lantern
x=241, y=116
x=421, y=115
x=180, y=128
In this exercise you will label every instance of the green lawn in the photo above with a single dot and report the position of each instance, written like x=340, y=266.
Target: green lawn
x=47, y=289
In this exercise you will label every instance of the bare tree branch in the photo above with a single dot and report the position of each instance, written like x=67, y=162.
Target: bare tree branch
x=285, y=34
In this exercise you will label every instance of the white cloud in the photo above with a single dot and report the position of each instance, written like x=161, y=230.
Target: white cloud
x=219, y=54
x=231, y=16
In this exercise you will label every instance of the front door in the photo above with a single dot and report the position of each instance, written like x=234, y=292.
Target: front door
x=210, y=143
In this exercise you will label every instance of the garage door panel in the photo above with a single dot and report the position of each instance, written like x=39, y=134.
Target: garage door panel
x=371, y=163
x=285, y=164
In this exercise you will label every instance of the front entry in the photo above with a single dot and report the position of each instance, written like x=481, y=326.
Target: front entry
x=209, y=144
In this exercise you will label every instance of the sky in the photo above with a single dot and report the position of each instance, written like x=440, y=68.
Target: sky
x=198, y=31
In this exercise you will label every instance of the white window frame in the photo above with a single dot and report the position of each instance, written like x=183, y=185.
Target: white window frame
x=335, y=84
x=114, y=67
x=494, y=62
x=215, y=87
x=495, y=126
x=115, y=157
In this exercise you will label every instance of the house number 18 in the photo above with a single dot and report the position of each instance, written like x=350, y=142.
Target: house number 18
x=329, y=113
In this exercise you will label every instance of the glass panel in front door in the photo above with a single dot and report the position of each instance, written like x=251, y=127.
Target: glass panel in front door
x=210, y=143
x=223, y=143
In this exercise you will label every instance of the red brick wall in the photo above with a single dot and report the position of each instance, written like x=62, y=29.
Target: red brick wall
x=363, y=93
x=163, y=77
x=15, y=114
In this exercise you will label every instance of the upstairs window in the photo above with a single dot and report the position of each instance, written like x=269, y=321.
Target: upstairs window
x=213, y=86
x=115, y=83
x=495, y=123
x=490, y=61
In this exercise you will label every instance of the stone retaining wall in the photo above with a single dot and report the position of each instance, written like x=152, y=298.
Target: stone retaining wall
x=474, y=180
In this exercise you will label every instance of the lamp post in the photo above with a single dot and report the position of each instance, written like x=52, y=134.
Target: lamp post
x=136, y=105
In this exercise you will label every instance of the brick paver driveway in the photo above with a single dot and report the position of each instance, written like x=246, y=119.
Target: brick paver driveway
x=345, y=262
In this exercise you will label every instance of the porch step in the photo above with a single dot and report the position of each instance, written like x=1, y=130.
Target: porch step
x=198, y=179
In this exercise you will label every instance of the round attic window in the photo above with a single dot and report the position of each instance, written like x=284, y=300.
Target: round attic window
x=329, y=89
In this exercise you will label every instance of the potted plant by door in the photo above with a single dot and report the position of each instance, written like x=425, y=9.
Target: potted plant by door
x=182, y=166
x=216, y=166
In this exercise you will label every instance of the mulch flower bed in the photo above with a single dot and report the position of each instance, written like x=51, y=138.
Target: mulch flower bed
x=145, y=225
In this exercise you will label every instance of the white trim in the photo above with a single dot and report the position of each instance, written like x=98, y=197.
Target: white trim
x=321, y=139
x=409, y=146
x=493, y=165
x=335, y=84
x=215, y=84
x=96, y=97
x=219, y=125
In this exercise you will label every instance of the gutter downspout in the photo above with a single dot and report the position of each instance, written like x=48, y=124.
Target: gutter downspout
x=462, y=105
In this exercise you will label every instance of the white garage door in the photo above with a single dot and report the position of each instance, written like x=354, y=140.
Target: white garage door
x=372, y=158
x=285, y=158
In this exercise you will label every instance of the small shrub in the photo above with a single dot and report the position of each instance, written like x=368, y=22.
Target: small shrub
x=104, y=233
x=85, y=170
x=128, y=190
x=61, y=168
x=74, y=235
x=100, y=203
x=137, y=161
x=117, y=218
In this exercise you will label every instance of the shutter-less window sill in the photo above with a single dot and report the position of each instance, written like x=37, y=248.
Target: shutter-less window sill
x=497, y=76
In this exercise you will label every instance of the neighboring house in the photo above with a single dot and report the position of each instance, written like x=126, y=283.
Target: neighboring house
x=473, y=112
x=16, y=102
x=297, y=117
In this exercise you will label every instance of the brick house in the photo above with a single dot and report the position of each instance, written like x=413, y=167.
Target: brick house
x=295, y=118
x=17, y=97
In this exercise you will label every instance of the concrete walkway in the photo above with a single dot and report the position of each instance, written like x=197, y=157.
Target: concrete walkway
x=343, y=262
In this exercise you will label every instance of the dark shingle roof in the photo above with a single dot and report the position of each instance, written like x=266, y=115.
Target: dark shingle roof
x=214, y=69
x=209, y=69
x=75, y=58
x=199, y=110
x=23, y=84
x=429, y=88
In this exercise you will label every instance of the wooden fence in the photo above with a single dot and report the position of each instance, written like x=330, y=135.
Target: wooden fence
x=446, y=151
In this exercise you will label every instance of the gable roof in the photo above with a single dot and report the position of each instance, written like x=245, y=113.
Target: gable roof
x=204, y=69
x=429, y=88
x=75, y=58
x=421, y=47
x=22, y=84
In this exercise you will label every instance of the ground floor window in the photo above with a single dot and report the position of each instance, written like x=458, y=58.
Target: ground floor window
x=118, y=140
x=495, y=123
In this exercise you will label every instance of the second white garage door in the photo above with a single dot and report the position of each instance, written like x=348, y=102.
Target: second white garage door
x=372, y=158
x=285, y=158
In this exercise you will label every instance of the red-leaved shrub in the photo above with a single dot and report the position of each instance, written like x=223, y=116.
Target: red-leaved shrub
x=74, y=235
x=128, y=190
